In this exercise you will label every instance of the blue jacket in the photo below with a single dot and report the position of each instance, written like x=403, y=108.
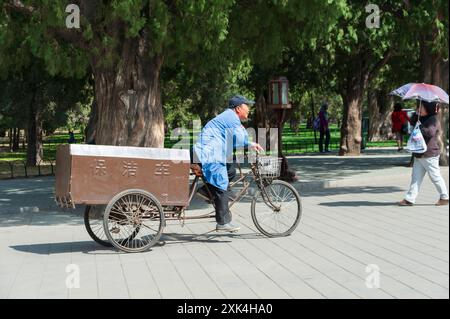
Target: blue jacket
x=215, y=144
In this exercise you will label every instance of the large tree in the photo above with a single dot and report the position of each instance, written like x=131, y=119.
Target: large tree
x=125, y=44
x=359, y=49
x=432, y=31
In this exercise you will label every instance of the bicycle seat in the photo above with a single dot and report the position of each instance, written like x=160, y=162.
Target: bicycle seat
x=196, y=170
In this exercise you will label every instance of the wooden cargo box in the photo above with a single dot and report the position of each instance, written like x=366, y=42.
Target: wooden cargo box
x=93, y=174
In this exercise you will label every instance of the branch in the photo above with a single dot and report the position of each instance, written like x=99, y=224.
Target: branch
x=18, y=6
x=381, y=63
x=69, y=35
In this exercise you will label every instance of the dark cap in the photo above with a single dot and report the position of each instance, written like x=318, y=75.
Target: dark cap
x=238, y=100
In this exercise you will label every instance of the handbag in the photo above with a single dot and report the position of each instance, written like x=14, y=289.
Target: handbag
x=416, y=142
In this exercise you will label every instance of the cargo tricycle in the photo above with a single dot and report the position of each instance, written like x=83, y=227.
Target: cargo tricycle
x=130, y=192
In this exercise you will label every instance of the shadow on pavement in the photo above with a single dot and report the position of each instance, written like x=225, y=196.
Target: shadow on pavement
x=316, y=168
x=358, y=203
x=91, y=247
x=349, y=190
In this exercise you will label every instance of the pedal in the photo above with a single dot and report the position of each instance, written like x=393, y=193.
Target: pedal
x=114, y=230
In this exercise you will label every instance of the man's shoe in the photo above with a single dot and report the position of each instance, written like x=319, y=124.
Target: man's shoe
x=442, y=202
x=405, y=203
x=230, y=227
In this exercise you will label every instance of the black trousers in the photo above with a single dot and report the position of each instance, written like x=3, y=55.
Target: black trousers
x=325, y=134
x=223, y=215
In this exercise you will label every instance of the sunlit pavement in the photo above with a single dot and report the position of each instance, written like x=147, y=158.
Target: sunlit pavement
x=353, y=241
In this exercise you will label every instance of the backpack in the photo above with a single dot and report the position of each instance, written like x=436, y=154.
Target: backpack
x=316, y=124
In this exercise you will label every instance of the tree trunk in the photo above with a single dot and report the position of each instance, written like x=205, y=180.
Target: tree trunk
x=16, y=136
x=129, y=109
x=34, y=135
x=379, y=107
x=10, y=139
x=440, y=69
x=89, y=132
x=435, y=71
x=261, y=114
x=351, y=123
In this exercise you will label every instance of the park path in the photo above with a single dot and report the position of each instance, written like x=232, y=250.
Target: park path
x=352, y=242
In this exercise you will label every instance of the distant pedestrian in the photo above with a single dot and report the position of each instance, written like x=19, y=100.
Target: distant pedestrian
x=71, y=139
x=400, y=124
x=427, y=162
x=323, y=128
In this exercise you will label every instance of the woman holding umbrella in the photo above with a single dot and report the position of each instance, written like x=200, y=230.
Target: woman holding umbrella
x=427, y=162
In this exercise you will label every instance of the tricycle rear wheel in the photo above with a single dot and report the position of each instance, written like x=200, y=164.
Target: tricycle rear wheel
x=133, y=220
x=93, y=221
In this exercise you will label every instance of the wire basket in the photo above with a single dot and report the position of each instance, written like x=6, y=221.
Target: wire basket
x=269, y=166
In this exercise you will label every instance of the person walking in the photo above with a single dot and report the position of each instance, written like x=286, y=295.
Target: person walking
x=323, y=128
x=400, y=122
x=427, y=162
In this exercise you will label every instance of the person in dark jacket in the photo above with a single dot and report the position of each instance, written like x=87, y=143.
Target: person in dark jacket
x=323, y=128
x=427, y=162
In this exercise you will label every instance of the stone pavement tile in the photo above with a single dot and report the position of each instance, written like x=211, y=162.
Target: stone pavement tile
x=139, y=280
x=196, y=278
x=29, y=278
x=404, y=241
x=54, y=278
x=275, y=269
x=426, y=227
x=327, y=286
x=355, y=235
x=257, y=281
x=368, y=231
x=168, y=281
x=110, y=277
x=299, y=267
x=231, y=285
x=389, y=283
x=342, y=230
x=343, y=276
x=430, y=239
x=88, y=282
x=344, y=233
x=6, y=281
x=405, y=252
x=345, y=265
x=409, y=277
x=339, y=272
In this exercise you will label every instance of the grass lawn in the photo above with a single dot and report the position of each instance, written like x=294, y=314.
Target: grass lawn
x=300, y=143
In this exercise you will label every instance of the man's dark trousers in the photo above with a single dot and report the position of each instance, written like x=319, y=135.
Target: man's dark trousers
x=223, y=215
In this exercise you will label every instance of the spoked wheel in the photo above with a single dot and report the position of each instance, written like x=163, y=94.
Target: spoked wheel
x=133, y=220
x=93, y=221
x=276, y=210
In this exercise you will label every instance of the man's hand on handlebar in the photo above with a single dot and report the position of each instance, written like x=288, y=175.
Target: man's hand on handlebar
x=258, y=148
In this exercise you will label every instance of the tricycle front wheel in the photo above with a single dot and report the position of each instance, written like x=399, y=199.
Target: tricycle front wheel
x=276, y=209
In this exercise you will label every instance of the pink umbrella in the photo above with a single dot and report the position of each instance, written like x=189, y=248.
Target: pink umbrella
x=422, y=91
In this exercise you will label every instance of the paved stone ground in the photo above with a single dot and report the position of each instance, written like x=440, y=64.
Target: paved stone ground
x=345, y=230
